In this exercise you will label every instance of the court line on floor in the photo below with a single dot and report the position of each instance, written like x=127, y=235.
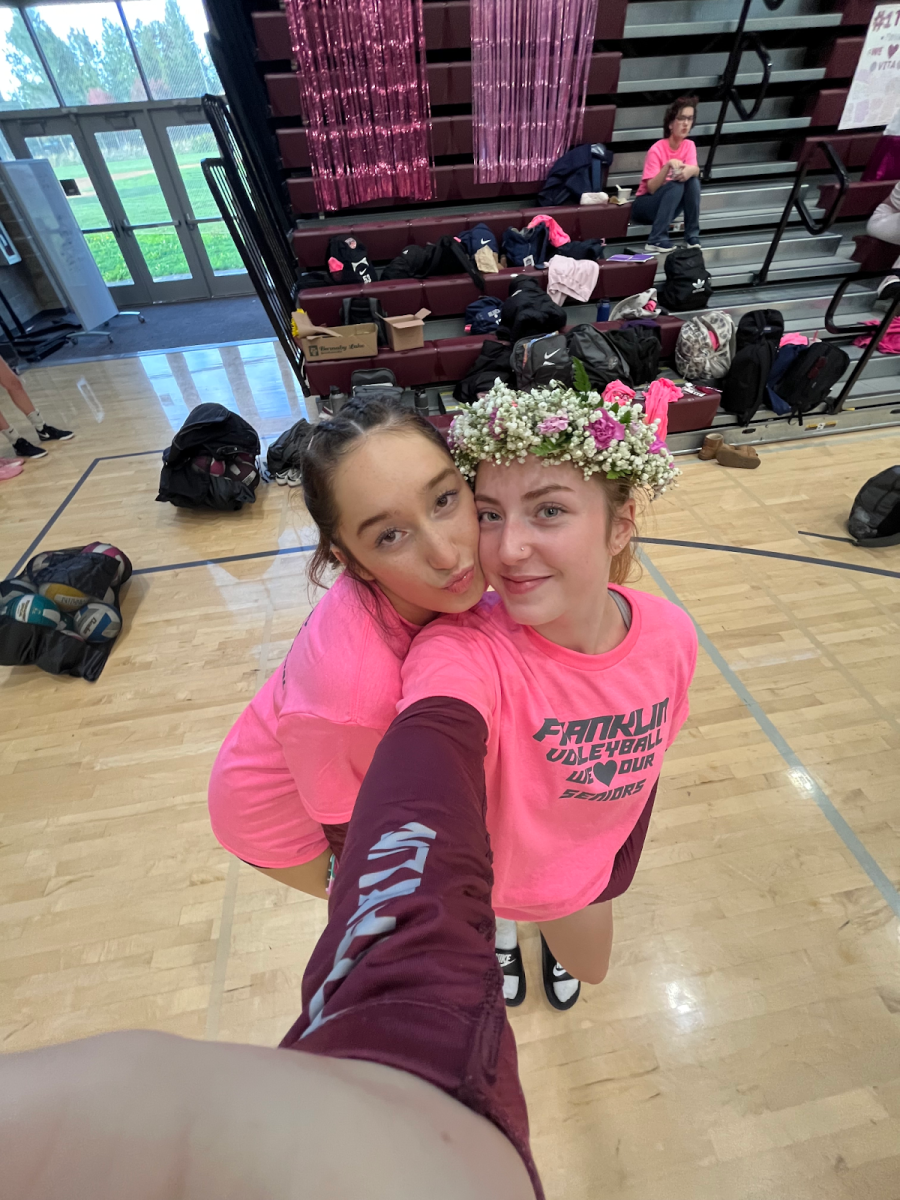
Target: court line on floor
x=800, y=776
x=801, y=558
x=211, y=562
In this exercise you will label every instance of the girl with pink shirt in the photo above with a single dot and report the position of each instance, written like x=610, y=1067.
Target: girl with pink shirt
x=670, y=181
x=393, y=510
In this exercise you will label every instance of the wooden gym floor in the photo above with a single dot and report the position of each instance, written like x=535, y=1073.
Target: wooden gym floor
x=746, y=1044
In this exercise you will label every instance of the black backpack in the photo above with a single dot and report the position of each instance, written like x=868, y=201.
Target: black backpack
x=448, y=256
x=410, y=263
x=348, y=261
x=526, y=247
x=688, y=284
x=592, y=248
x=540, y=361
x=491, y=364
x=483, y=315
x=602, y=361
x=763, y=324
x=640, y=348
x=211, y=434
x=377, y=383
x=875, y=516
x=808, y=381
x=744, y=386
x=365, y=310
x=528, y=311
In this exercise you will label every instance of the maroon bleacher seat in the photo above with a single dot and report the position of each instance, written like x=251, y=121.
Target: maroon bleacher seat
x=311, y=246
x=447, y=25
x=427, y=229
x=284, y=94
x=603, y=73
x=412, y=368
x=450, y=83
x=456, y=356
x=874, y=255
x=399, y=297
x=383, y=240
x=293, y=146
x=497, y=222
x=852, y=149
x=826, y=107
x=843, y=57
x=620, y=279
x=448, y=295
x=861, y=199
x=272, y=37
x=603, y=221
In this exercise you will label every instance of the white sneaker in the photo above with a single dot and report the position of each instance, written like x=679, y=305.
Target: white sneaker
x=651, y=249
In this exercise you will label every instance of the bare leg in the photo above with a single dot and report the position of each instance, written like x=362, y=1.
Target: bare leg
x=154, y=1117
x=582, y=942
x=308, y=877
x=16, y=388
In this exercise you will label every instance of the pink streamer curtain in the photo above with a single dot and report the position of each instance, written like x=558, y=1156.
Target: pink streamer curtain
x=364, y=89
x=530, y=61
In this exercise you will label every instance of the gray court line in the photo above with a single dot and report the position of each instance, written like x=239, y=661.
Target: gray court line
x=800, y=774
x=223, y=950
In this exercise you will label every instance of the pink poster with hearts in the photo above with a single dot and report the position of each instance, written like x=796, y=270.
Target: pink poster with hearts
x=875, y=92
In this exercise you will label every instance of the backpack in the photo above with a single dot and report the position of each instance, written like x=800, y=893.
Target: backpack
x=875, y=516
x=763, y=324
x=783, y=360
x=483, y=315
x=211, y=461
x=448, y=256
x=688, y=283
x=410, y=263
x=640, y=348
x=348, y=261
x=602, y=361
x=526, y=247
x=474, y=239
x=744, y=388
x=528, y=310
x=590, y=248
x=809, y=379
x=363, y=310
x=540, y=361
x=376, y=383
x=696, y=355
x=491, y=364
x=286, y=451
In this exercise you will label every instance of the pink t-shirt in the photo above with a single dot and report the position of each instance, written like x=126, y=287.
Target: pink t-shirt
x=575, y=741
x=660, y=152
x=296, y=756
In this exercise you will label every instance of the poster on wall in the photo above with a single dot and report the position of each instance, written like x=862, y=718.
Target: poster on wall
x=875, y=92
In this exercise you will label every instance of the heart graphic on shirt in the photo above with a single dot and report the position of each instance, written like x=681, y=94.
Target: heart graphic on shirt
x=604, y=772
x=892, y=50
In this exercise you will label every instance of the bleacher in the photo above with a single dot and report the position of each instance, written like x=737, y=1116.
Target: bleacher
x=814, y=47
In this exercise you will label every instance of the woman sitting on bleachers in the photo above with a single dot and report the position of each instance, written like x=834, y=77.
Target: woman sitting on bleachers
x=670, y=183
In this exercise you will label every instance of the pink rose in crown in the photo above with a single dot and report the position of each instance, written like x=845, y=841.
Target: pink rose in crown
x=553, y=424
x=657, y=446
x=605, y=430
x=617, y=392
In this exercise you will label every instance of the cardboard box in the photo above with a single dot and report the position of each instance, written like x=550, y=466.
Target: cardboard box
x=320, y=343
x=407, y=333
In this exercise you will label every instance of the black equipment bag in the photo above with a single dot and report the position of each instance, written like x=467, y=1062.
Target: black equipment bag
x=410, y=263
x=365, y=310
x=808, y=381
x=528, y=311
x=491, y=364
x=287, y=449
x=763, y=324
x=540, y=361
x=348, y=261
x=744, y=386
x=602, y=361
x=99, y=576
x=640, y=348
x=211, y=435
x=688, y=283
x=446, y=256
x=592, y=248
x=875, y=516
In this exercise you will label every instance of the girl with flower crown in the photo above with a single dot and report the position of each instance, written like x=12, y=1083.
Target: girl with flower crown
x=577, y=684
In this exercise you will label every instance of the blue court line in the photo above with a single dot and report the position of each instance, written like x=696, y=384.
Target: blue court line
x=800, y=775
x=801, y=558
x=210, y=562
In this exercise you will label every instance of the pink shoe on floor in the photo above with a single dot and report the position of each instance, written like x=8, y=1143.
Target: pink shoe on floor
x=10, y=468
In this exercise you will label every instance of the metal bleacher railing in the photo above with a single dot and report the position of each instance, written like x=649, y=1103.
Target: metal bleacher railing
x=844, y=332
x=727, y=88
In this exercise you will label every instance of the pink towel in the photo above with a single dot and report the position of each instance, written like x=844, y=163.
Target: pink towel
x=659, y=395
x=889, y=344
x=558, y=236
x=794, y=339
x=575, y=277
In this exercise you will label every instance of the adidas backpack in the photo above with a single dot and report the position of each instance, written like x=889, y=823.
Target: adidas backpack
x=688, y=283
x=705, y=345
x=483, y=315
x=808, y=381
x=602, y=361
x=348, y=261
x=875, y=516
x=541, y=360
x=365, y=310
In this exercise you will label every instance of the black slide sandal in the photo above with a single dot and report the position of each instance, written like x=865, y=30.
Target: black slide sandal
x=553, y=972
x=512, y=966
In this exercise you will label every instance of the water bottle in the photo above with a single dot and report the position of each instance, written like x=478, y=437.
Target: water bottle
x=603, y=310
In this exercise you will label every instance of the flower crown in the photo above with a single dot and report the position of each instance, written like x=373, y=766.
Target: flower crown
x=560, y=425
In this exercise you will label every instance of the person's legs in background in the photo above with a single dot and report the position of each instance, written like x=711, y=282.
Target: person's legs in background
x=691, y=205
x=659, y=209
x=20, y=398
